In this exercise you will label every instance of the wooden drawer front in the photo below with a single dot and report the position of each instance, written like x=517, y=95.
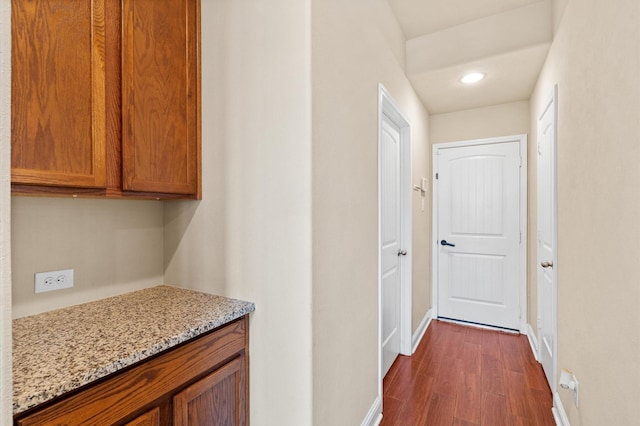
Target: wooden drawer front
x=131, y=393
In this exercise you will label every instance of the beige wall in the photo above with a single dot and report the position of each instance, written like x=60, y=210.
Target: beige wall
x=250, y=236
x=595, y=60
x=492, y=121
x=114, y=246
x=6, y=392
x=421, y=211
x=351, y=53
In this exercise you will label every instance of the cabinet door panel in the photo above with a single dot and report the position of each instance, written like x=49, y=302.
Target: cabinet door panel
x=159, y=96
x=216, y=400
x=58, y=114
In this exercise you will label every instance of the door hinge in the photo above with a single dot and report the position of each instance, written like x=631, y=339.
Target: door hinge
x=520, y=237
x=436, y=175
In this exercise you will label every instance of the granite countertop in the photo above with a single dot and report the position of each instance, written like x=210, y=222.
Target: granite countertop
x=61, y=350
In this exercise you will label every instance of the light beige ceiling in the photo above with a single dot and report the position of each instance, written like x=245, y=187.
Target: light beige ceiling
x=506, y=39
x=420, y=17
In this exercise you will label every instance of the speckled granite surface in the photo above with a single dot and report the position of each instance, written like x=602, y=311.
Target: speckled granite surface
x=61, y=350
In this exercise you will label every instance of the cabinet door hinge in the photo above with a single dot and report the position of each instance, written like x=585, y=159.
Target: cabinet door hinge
x=436, y=175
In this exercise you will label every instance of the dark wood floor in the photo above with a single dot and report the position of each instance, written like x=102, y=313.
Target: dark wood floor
x=467, y=376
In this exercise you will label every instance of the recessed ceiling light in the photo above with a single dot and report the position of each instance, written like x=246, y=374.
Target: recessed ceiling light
x=473, y=77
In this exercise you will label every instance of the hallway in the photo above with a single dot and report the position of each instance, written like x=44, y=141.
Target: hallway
x=467, y=376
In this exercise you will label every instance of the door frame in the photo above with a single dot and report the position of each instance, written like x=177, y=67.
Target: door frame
x=389, y=108
x=552, y=102
x=522, y=258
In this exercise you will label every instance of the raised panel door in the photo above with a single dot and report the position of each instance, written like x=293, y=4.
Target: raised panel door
x=160, y=96
x=216, y=400
x=57, y=91
x=390, y=240
x=479, y=234
x=547, y=239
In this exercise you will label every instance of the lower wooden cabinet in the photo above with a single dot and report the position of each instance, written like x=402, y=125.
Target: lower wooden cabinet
x=201, y=382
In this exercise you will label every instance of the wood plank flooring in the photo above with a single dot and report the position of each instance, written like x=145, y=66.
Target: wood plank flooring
x=467, y=376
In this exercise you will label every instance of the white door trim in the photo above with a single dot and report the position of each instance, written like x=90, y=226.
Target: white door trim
x=522, y=140
x=387, y=106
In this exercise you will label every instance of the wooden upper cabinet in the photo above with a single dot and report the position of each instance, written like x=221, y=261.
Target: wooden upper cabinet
x=159, y=96
x=58, y=93
x=106, y=98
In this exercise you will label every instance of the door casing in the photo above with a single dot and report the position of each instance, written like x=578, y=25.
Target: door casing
x=522, y=258
x=387, y=106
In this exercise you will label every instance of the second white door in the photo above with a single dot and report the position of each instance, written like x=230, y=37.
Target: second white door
x=390, y=239
x=547, y=288
x=479, y=233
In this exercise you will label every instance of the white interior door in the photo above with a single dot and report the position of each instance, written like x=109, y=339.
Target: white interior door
x=390, y=240
x=479, y=235
x=547, y=290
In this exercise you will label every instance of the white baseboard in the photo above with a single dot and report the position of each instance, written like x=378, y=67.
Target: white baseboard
x=422, y=328
x=559, y=415
x=374, y=416
x=533, y=342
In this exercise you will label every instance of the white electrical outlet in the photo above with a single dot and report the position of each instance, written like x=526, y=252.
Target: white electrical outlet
x=54, y=280
x=569, y=381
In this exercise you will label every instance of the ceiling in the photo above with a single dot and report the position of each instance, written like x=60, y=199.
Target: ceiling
x=508, y=40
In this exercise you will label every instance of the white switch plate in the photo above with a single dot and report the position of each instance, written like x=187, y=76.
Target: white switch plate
x=54, y=280
x=424, y=184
